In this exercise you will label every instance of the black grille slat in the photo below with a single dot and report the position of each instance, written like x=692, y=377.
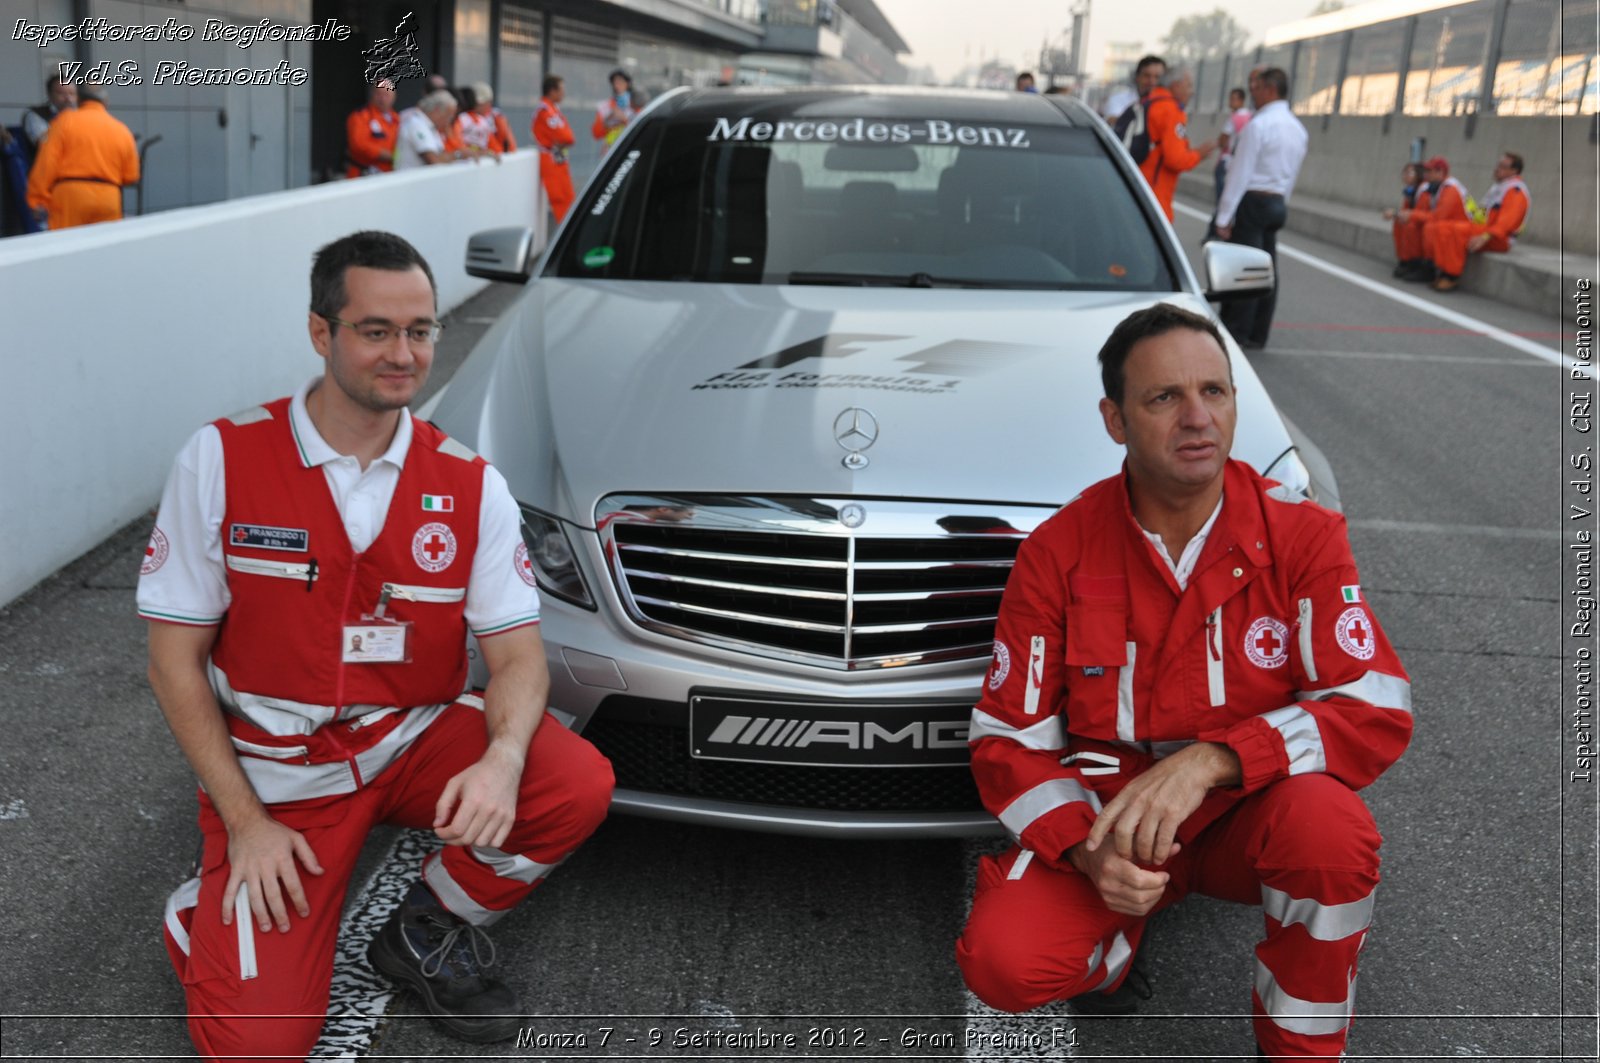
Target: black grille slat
x=654, y=758
x=685, y=577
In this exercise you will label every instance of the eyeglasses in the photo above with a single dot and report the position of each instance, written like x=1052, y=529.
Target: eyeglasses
x=379, y=334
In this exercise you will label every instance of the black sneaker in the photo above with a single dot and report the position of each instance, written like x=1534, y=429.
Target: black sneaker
x=442, y=957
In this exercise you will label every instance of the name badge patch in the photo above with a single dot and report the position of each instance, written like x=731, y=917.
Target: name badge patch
x=264, y=537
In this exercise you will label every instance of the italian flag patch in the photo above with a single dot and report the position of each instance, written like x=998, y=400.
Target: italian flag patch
x=439, y=503
x=1351, y=593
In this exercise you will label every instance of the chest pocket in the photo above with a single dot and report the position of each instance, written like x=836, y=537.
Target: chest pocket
x=1097, y=634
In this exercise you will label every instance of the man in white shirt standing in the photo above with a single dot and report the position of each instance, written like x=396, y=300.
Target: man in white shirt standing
x=423, y=130
x=1255, y=197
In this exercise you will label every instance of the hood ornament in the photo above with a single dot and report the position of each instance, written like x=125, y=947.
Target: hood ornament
x=855, y=430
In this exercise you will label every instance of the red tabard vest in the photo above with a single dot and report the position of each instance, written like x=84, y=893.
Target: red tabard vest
x=296, y=582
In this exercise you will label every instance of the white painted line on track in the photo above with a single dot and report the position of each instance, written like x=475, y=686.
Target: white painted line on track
x=359, y=996
x=1482, y=531
x=1510, y=339
x=1404, y=356
x=1022, y=1036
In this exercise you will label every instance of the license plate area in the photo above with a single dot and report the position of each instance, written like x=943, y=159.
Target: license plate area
x=831, y=734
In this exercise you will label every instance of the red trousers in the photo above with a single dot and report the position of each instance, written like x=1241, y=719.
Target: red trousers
x=557, y=180
x=256, y=994
x=1408, y=239
x=1305, y=849
x=1445, y=242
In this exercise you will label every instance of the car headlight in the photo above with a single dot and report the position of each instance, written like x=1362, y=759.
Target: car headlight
x=1292, y=473
x=555, y=565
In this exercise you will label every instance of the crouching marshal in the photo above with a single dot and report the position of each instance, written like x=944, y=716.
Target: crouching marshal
x=1188, y=691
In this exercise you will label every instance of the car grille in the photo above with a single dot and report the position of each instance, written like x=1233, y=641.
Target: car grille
x=825, y=593
x=655, y=758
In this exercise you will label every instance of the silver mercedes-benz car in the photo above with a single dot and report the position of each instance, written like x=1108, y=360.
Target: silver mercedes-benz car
x=786, y=391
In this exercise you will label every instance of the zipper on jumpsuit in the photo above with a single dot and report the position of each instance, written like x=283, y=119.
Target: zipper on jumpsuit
x=1214, y=678
x=338, y=687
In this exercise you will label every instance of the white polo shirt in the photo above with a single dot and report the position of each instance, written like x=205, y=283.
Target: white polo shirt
x=184, y=578
x=417, y=135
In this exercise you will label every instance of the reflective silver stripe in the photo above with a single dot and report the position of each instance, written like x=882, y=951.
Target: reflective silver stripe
x=1121, y=953
x=181, y=899
x=1214, y=679
x=250, y=416
x=1375, y=688
x=245, y=921
x=1308, y=660
x=1305, y=1017
x=514, y=867
x=1325, y=922
x=454, y=449
x=1024, y=858
x=1046, y=734
x=276, y=716
x=1302, y=740
x=1048, y=796
x=472, y=701
x=275, y=781
x=256, y=566
x=453, y=897
x=372, y=761
x=271, y=752
x=1125, y=696
x=1105, y=763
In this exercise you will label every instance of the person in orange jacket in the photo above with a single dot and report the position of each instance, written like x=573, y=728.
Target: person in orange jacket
x=555, y=139
x=1445, y=199
x=614, y=112
x=369, y=133
x=1448, y=243
x=83, y=164
x=1168, y=127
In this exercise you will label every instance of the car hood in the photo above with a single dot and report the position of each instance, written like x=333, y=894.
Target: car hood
x=588, y=388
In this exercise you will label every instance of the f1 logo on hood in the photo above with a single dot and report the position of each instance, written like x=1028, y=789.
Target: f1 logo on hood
x=956, y=358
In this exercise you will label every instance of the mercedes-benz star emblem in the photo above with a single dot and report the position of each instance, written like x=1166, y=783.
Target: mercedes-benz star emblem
x=855, y=430
x=852, y=515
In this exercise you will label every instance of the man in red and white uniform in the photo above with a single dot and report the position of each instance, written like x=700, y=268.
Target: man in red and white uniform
x=316, y=566
x=1187, y=691
x=1443, y=198
x=1448, y=243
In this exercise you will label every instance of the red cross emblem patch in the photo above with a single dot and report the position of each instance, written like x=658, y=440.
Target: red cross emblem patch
x=524, y=565
x=1000, y=665
x=1266, y=644
x=434, y=547
x=1354, y=631
x=155, y=554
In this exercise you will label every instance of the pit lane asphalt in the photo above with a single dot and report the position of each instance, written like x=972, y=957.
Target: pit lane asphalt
x=1446, y=448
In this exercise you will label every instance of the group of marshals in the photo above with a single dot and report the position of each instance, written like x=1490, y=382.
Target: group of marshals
x=1187, y=692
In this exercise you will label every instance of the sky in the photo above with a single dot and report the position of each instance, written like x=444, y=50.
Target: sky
x=949, y=35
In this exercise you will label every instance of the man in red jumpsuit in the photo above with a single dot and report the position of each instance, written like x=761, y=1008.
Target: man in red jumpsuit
x=1448, y=243
x=369, y=133
x=555, y=140
x=1443, y=199
x=1188, y=688
x=1167, y=122
x=316, y=566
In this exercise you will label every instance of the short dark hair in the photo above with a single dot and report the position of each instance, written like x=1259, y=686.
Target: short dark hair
x=370, y=249
x=1154, y=320
x=1236, y=91
x=551, y=83
x=51, y=82
x=623, y=74
x=1148, y=61
x=1516, y=160
x=1279, y=81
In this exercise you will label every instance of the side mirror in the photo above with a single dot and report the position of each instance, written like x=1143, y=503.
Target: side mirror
x=503, y=254
x=1234, y=271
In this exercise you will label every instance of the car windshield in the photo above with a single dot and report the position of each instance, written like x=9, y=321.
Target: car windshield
x=865, y=201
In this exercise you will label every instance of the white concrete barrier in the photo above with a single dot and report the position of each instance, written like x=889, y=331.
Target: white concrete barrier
x=117, y=341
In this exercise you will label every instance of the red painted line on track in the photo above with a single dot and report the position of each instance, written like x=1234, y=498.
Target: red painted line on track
x=1325, y=326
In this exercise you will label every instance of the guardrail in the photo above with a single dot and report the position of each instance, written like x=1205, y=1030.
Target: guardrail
x=121, y=339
